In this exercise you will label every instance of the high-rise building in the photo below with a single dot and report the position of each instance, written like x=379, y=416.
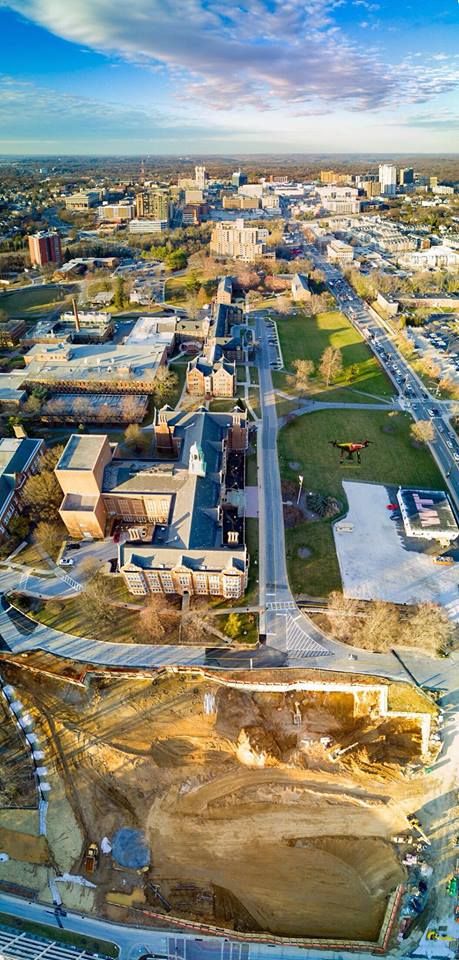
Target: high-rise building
x=45, y=247
x=201, y=177
x=154, y=204
x=433, y=182
x=406, y=176
x=238, y=241
x=388, y=179
x=238, y=179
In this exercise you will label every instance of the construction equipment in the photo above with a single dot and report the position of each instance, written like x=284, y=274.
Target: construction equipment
x=157, y=893
x=435, y=935
x=92, y=858
x=297, y=715
x=452, y=887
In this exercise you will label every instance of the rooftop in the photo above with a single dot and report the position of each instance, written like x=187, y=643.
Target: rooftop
x=16, y=453
x=81, y=452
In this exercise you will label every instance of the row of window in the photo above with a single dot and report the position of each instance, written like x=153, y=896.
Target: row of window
x=201, y=583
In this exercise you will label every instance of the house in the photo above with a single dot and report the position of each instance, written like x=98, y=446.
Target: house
x=300, y=288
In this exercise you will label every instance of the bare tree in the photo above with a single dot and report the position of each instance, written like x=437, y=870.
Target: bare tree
x=299, y=380
x=428, y=628
x=159, y=619
x=422, y=431
x=49, y=536
x=343, y=615
x=283, y=305
x=380, y=626
x=95, y=601
x=135, y=438
x=331, y=364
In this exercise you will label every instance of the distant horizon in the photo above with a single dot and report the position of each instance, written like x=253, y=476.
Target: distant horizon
x=231, y=156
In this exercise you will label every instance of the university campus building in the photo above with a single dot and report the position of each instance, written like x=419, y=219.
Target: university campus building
x=186, y=502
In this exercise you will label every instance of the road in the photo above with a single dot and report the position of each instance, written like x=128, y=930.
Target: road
x=162, y=943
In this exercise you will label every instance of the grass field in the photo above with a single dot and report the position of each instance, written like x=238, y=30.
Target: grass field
x=178, y=367
x=251, y=538
x=222, y=405
x=391, y=458
x=305, y=337
x=33, y=300
x=70, y=617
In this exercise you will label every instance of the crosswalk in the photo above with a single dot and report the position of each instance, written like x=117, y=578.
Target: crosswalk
x=281, y=605
x=299, y=643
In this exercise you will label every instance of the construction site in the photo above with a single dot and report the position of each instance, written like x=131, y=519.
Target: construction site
x=209, y=798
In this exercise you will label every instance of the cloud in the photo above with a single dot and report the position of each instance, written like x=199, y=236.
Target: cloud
x=258, y=53
x=33, y=113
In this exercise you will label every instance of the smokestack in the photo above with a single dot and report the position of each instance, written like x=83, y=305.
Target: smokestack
x=75, y=314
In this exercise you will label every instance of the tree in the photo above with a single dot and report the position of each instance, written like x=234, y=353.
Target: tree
x=158, y=618
x=331, y=364
x=342, y=615
x=380, y=626
x=422, y=431
x=166, y=382
x=130, y=408
x=428, y=628
x=177, y=260
x=32, y=405
x=49, y=536
x=19, y=527
x=136, y=438
x=119, y=295
x=95, y=601
x=299, y=381
x=233, y=626
x=41, y=492
x=284, y=305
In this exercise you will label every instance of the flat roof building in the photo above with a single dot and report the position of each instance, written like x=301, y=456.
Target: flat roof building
x=45, y=247
x=427, y=514
x=109, y=367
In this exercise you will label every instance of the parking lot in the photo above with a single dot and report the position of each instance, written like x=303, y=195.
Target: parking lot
x=378, y=562
x=439, y=339
x=276, y=361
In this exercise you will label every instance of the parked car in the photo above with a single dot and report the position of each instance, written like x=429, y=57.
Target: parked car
x=66, y=562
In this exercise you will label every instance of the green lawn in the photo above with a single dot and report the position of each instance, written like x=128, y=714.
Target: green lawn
x=248, y=626
x=251, y=539
x=391, y=459
x=22, y=301
x=178, y=367
x=254, y=400
x=304, y=337
x=102, y=948
x=251, y=478
x=70, y=617
x=222, y=405
x=254, y=375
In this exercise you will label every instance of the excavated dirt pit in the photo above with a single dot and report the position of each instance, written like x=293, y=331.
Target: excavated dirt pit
x=252, y=820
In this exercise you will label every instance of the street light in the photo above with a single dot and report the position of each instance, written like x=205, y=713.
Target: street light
x=301, y=479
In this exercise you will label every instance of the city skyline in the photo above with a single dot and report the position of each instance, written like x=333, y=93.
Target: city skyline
x=196, y=77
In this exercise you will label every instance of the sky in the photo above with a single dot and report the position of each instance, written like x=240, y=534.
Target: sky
x=227, y=77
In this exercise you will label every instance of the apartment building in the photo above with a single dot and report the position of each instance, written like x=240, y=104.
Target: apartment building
x=340, y=199
x=388, y=179
x=329, y=176
x=154, y=204
x=115, y=212
x=238, y=241
x=237, y=202
x=188, y=498
x=340, y=252
x=19, y=459
x=45, y=247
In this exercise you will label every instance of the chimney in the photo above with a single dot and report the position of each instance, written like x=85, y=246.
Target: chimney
x=75, y=314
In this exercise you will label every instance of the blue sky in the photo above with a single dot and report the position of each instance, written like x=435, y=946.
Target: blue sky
x=206, y=76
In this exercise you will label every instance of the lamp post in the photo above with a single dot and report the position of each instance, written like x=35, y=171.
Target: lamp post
x=301, y=479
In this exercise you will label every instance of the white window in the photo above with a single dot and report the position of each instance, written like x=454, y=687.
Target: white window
x=167, y=583
x=214, y=584
x=200, y=582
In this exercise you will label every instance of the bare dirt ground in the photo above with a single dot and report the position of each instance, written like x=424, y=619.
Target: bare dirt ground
x=251, y=821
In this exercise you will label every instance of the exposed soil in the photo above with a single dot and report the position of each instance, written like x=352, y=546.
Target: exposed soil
x=252, y=821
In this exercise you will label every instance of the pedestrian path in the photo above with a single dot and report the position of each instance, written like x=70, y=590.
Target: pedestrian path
x=299, y=643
